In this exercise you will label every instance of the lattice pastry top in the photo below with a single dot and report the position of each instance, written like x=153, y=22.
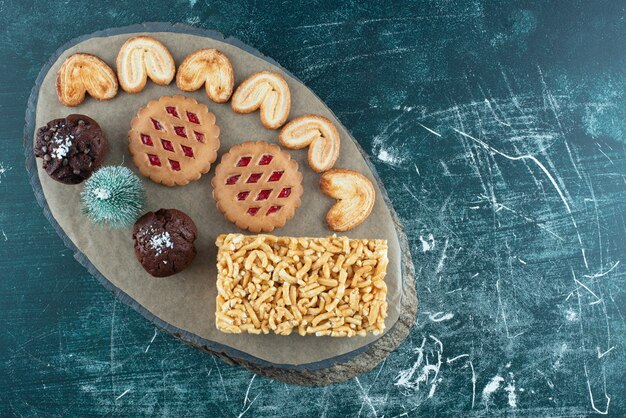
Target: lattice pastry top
x=257, y=186
x=174, y=140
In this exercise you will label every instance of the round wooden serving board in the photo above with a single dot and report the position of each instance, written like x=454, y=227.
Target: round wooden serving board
x=184, y=304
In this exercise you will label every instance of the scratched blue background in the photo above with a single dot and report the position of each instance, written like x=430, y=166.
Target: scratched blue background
x=499, y=131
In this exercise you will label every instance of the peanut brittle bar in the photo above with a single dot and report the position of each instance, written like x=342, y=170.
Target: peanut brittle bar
x=322, y=286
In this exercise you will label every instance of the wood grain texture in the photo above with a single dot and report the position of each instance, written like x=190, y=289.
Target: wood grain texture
x=521, y=282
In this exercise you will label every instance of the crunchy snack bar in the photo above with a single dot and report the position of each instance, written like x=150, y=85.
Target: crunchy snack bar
x=323, y=286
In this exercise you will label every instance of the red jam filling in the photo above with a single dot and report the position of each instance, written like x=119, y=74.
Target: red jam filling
x=264, y=194
x=172, y=111
x=244, y=161
x=187, y=151
x=285, y=192
x=253, y=211
x=232, y=179
x=146, y=140
x=157, y=124
x=242, y=195
x=167, y=145
x=276, y=175
x=273, y=209
x=193, y=118
x=254, y=177
x=199, y=136
x=180, y=131
x=154, y=159
x=175, y=165
x=266, y=159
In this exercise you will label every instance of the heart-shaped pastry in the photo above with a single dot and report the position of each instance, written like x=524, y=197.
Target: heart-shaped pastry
x=209, y=67
x=142, y=57
x=82, y=73
x=355, y=198
x=269, y=92
x=316, y=132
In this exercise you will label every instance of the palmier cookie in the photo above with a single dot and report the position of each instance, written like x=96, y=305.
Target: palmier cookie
x=316, y=132
x=142, y=57
x=268, y=92
x=72, y=148
x=173, y=140
x=354, y=194
x=209, y=67
x=81, y=73
x=257, y=186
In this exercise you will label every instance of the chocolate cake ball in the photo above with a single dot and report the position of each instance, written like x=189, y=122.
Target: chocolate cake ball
x=164, y=241
x=71, y=148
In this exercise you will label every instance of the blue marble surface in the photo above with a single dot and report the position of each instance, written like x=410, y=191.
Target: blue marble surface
x=498, y=129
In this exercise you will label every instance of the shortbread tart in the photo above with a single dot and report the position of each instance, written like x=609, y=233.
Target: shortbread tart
x=267, y=91
x=85, y=73
x=331, y=286
x=257, y=186
x=142, y=57
x=174, y=140
x=355, y=196
x=209, y=67
x=317, y=133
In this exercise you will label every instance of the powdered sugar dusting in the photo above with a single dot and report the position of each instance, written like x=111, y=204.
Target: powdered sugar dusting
x=61, y=145
x=160, y=242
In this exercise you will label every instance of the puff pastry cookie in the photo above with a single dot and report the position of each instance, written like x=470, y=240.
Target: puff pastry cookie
x=355, y=198
x=209, y=67
x=316, y=132
x=81, y=73
x=268, y=92
x=142, y=57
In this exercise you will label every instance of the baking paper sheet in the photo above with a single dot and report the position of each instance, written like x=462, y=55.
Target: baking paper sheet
x=187, y=300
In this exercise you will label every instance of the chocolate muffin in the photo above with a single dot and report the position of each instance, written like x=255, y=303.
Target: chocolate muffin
x=164, y=241
x=71, y=148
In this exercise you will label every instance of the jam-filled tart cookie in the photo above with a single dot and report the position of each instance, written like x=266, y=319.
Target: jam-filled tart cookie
x=257, y=186
x=174, y=140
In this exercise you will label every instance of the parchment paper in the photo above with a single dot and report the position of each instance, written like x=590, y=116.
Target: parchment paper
x=187, y=300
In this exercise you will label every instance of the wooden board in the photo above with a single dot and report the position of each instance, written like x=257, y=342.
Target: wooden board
x=331, y=369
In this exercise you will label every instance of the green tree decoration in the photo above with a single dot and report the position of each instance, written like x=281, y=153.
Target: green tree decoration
x=113, y=196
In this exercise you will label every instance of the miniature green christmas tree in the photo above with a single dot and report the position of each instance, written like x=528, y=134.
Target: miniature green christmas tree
x=113, y=196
